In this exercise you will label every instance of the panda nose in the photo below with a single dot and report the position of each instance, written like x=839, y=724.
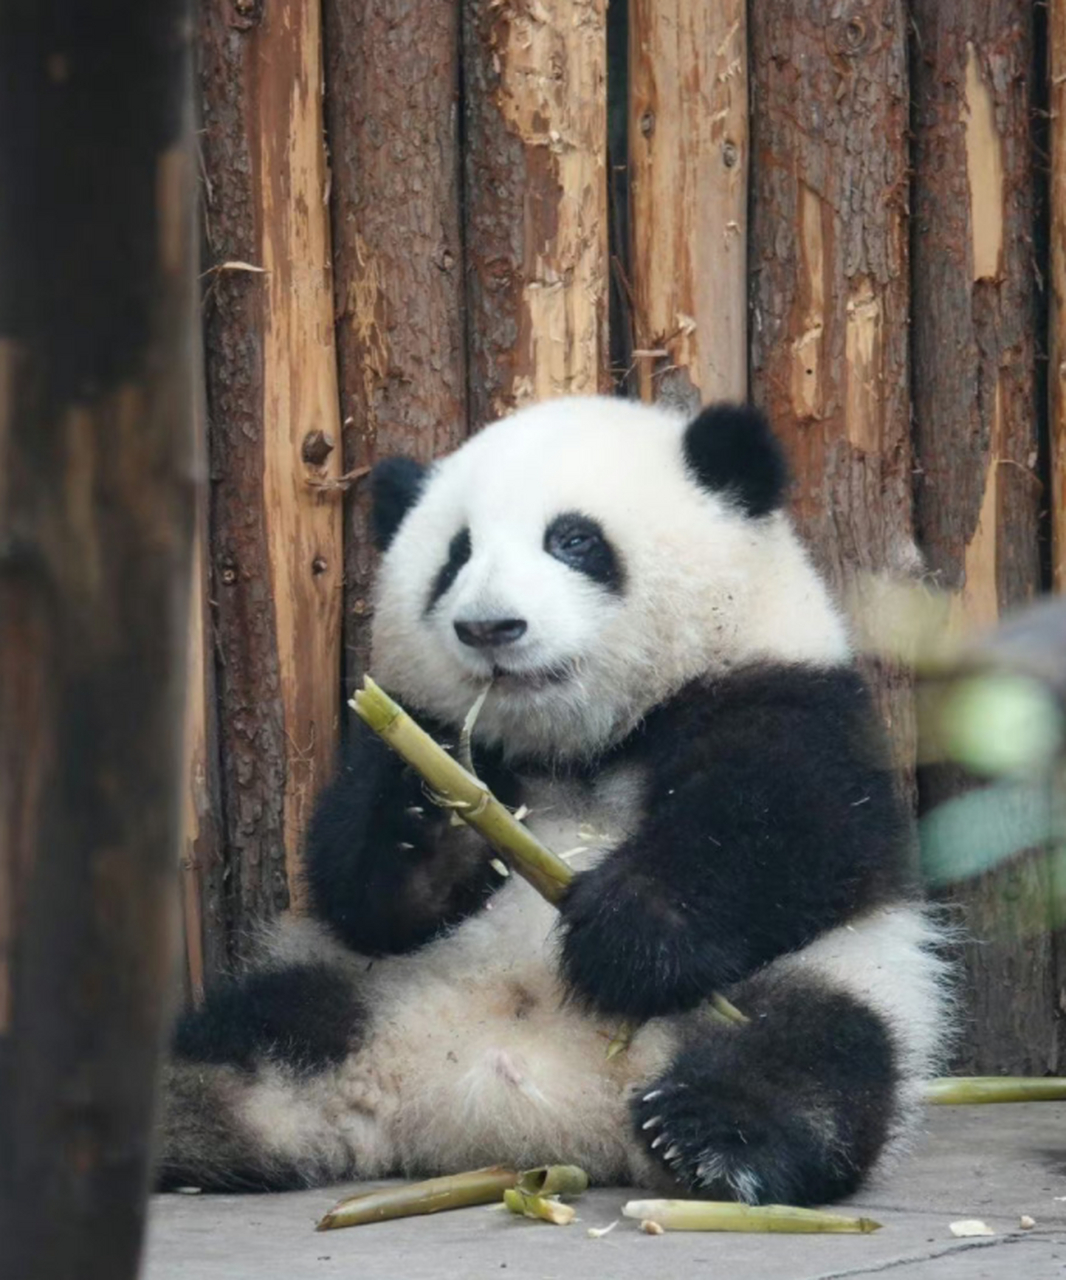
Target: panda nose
x=491, y=633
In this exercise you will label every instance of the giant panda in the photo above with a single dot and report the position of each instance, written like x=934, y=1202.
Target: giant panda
x=672, y=706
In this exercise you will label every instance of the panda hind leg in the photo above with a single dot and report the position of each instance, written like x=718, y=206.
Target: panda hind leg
x=248, y=1097
x=793, y=1108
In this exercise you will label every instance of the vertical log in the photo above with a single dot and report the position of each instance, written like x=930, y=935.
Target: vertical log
x=202, y=868
x=536, y=200
x=272, y=400
x=830, y=288
x=975, y=415
x=688, y=171
x=1057, y=318
x=398, y=260
x=96, y=314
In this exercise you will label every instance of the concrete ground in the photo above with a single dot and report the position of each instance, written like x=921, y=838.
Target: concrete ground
x=995, y=1163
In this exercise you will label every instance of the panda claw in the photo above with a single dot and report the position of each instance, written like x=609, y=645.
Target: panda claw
x=655, y=1093
x=650, y=1124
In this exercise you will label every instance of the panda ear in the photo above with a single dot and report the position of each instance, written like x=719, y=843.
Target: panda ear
x=730, y=449
x=395, y=486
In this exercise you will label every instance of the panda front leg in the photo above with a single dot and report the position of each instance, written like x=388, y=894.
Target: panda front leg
x=793, y=1108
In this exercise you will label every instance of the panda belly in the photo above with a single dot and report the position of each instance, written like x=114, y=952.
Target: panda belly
x=491, y=1063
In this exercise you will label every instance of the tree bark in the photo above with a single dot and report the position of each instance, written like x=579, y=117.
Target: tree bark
x=1057, y=317
x=202, y=862
x=688, y=171
x=276, y=541
x=96, y=376
x=973, y=326
x=393, y=116
x=536, y=201
x=830, y=288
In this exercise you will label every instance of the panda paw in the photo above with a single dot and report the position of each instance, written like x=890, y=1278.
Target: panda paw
x=726, y=1140
x=632, y=947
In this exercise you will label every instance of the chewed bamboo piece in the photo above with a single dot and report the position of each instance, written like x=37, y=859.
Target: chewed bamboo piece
x=534, y=1195
x=721, y=1215
x=546, y=1210
x=455, y=1191
x=963, y=1090
x=473, y=801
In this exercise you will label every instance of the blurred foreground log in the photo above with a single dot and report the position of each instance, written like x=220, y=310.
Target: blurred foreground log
x=96, y=377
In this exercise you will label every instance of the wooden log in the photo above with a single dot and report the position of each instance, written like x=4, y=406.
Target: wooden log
x=974, y=318
x=397, y=253
x=830, y=288
x=536, y=201
x=1056, y=40
x=276, y=548
x=97, y=305
x=688, y=172
x=202, y=867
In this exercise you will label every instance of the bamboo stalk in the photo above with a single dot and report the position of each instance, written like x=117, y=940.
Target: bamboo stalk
x=717, y=1215
x=546, y=872
x=553, y=1180
x=474, y=802
x=968, y=1090
x=453, y=1191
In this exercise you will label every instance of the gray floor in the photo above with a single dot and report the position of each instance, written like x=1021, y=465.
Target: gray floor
x=994, y=1163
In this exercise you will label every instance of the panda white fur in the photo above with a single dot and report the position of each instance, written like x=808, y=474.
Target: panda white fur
x=675, y=704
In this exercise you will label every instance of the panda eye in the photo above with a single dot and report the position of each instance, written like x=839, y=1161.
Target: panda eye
x=579, y=543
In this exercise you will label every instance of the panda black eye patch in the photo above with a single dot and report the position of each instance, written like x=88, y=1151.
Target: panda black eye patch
x=458, y=555
x=578, y=542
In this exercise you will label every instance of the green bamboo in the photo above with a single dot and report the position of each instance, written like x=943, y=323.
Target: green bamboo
x=719, y=1215
x=455, y=1191
x=476, y=805
x=531, y=1206
x=963, y=1090
x=553, y=1180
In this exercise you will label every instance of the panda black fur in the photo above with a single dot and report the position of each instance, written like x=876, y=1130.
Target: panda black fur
x=675, y=704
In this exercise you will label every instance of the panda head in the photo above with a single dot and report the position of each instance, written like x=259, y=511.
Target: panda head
x=589, y=557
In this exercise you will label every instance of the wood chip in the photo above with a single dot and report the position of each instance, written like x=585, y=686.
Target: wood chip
x=971, y=1227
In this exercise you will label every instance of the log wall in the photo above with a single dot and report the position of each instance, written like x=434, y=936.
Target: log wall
x=418, y=217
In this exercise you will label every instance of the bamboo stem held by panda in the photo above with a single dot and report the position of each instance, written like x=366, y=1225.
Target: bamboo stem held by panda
x=717, y=1215
x=966, y=1090
x=477, y=806
x=454, y=1191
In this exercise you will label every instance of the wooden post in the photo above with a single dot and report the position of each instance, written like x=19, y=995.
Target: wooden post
x=973, y=327
x=96, y=379
x=830, y=287
x=688, y=174
x=202, y=868
x=397, y=252
x=536, y=200
x=276, y=539
x=1057, y=316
